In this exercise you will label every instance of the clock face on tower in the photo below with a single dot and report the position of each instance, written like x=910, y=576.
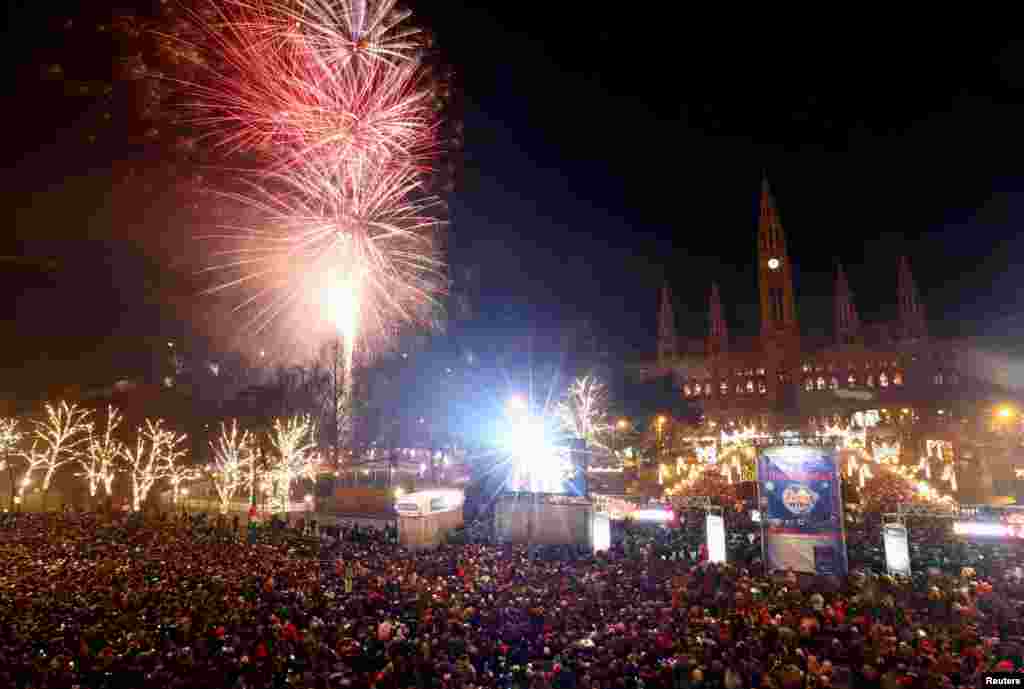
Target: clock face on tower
x=773, y=263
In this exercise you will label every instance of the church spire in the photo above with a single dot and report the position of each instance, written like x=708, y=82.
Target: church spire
x=775, y=273
x=911, y=310
x=847, y=323
x=718, y=334
x=667, y=341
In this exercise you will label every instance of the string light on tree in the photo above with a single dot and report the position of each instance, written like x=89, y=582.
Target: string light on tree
x=100, y=463
x=156, y=452
x=583, y=413
x=233, y=463
x=57, y=439
x=293, y=456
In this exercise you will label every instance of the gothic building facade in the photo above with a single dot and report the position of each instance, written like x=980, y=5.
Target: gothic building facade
x=782, y=379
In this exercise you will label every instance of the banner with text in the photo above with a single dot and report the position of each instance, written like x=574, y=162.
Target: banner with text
x=802, y=512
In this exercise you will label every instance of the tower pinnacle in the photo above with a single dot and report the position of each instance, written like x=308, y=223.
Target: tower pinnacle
x=667, y=341
x=847, y=322
x=911, y=310
x=718, y=334
x=775, y=273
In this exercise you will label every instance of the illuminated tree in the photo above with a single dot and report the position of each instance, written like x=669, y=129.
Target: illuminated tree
x=233, y=463
x=57, y=440
x=178, y=476
x=293, y=455
x=153, y=458
x=584, y=411
x=100, y=463
x=10, y=436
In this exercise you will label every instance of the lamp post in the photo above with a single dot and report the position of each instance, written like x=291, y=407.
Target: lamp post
x=660, y=424
x=620, y=427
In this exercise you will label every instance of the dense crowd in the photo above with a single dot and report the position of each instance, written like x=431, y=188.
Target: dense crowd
x=90, y=603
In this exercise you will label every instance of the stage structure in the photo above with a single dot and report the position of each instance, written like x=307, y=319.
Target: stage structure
x=971, y=522
x=550, y=519
x=800, y=496
x=426, y=517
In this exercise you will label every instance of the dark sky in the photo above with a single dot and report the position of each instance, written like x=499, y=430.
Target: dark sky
x=600, y=159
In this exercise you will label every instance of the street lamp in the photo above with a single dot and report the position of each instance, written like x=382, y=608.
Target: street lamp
x=660, y=422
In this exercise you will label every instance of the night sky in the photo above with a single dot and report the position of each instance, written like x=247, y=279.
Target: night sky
x=599, y=160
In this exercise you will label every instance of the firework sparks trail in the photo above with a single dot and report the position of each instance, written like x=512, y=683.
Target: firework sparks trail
x=358, y=244
x=271, y=81
x=332, y=96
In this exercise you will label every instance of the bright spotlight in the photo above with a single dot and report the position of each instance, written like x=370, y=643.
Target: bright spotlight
x=516, y=404
x=538, y=466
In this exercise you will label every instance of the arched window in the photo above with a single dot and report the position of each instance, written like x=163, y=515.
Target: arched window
x=809, y=384
x=707, y=389
x=687, y=391
x=724, y=387
x=937, y=379
x=762, y=387
x=821, y=382
x=897, y=378
x=871, y=381
x=852, y=380
x=739, y=388
x=833, y=384
x=750, y=386
x=883, y=380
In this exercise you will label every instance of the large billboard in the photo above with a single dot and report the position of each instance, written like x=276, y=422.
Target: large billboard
x=802, y=510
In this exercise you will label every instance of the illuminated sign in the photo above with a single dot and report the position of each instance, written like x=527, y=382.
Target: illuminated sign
x=716, y=538
x=897, y=552
x=981, y=529
x=656, y=516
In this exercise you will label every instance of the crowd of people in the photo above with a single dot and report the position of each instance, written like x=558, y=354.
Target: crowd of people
x=88, y=601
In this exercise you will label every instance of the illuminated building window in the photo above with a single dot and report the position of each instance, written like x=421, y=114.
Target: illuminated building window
x=724, y=387
x=937, y=379
x=750, y=386
x=707, y=389
x=760, y=371
x=833, y=384
x=852, y=380
x=739, y=388
x=897, y=378
x=883, y=380
x=687, y=390
x=761, y=387
x=809, y=384
x=871, y=381
x=821, y=382
x=807, y=367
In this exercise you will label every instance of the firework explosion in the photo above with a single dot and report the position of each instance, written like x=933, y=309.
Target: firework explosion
x=333, y=101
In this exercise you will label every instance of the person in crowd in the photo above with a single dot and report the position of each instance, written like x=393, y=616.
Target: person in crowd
x=90, y=602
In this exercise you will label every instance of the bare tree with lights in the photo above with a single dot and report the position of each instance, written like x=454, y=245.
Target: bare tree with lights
x=58, y=439
x=100, y=463
x=583, y=413
x=10, y=436
x=156, y=452
x=178, y=475
x=293, y=456
x=233, y=463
